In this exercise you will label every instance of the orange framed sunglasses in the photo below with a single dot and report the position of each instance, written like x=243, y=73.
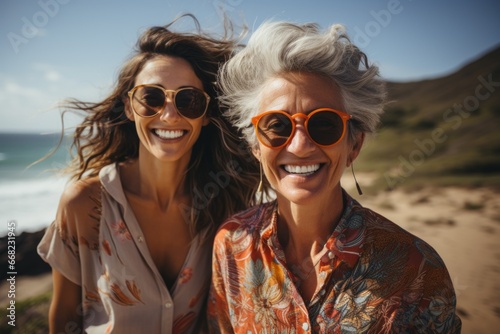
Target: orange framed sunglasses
x=324, y=126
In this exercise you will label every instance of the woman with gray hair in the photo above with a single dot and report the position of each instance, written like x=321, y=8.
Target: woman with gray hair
x=314, y=260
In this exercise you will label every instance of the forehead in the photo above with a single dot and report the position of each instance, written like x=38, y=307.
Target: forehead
x=300, y=92
x=169, y=72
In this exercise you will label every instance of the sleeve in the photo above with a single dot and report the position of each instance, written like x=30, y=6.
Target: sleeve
x=428, y=303
x=74, y=227
x=218, y=306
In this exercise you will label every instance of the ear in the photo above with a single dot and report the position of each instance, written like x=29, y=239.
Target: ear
x=128, y=109
x=206, y=121
x=356, y=148
x=256, y=151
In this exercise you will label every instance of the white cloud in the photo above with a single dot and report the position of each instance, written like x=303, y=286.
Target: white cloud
x=30, y=99
x=14, y=90
x=53, y=76
x=25, y=105
x=48, y=71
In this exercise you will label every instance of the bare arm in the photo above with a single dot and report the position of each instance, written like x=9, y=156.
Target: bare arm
x=65, y=309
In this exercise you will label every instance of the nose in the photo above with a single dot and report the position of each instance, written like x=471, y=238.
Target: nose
x=300, y=144
x=169, y=112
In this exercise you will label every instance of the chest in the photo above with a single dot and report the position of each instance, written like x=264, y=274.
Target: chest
x=168, y=238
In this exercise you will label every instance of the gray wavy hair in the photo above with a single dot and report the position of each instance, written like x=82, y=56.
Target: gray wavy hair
x=280, y=47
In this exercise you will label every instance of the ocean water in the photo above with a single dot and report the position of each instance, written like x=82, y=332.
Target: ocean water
x=29, y=194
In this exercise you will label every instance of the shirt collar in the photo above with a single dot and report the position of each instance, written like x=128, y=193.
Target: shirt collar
x=345, y=242
x=269, y=228
x=111, y=182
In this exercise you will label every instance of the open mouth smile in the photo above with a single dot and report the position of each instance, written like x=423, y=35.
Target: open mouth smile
x=169, y=134
x=304, y=170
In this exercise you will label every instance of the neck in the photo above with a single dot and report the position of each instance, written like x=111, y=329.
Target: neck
x=303, y=230
x=156, y=181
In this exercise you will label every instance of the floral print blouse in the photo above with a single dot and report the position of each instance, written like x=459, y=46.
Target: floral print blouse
x=122, y=289
x=374, y=278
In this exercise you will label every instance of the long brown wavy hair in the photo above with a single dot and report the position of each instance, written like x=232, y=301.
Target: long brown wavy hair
x=222, y=176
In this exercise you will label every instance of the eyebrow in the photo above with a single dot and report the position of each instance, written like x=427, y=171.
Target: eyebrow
x=180, y=87
x=307, y=112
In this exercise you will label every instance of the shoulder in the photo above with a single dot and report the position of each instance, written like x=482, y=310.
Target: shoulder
x=377, y=224
x=246, y=223
x=81, y=194
x=409, y=274
x=79, y=210
x=383, y=236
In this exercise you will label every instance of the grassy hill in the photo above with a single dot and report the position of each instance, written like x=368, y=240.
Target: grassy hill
x=442, y=131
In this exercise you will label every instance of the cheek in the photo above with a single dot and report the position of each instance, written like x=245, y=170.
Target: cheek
x=265, y=155
x=340, y=156
x=139, y=125
x=268, y=158
x=206, y=121
x=197, y=126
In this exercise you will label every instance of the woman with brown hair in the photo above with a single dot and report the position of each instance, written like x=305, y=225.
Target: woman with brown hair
x=157, y=170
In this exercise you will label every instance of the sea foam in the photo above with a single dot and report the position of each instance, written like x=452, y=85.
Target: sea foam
x=31, y=203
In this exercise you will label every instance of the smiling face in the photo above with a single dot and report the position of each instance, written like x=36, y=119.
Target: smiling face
x=167, y=136
x=302, y=171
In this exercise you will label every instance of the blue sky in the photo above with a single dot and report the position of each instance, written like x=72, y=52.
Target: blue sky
x=54, y=49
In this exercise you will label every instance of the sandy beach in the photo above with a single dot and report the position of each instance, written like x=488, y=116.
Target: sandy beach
x=463, y=225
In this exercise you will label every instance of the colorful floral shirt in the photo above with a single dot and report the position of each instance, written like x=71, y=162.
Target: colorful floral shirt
x=122, y=289
x=375, y=278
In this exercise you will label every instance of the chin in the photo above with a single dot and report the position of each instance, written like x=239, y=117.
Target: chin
x=298, y=196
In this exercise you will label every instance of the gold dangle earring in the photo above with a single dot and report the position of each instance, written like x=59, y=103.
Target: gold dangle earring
x=356, y=181
x=259, y=189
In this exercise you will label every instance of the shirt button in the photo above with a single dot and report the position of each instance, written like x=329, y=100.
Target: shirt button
x=331, y=255
x=168, y=304
x=321, y=292
x=140, y=239
x=305, y=326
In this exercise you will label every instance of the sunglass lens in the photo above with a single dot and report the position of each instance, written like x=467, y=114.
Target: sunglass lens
x=325, y=127
x=274, y=129
x=191, y=103
x=148, y=101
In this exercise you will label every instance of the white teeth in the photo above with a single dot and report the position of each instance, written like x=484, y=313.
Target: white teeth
x=165, y=134
x=301, y=169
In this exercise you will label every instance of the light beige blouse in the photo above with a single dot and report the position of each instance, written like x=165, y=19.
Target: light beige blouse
x=122, y=289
